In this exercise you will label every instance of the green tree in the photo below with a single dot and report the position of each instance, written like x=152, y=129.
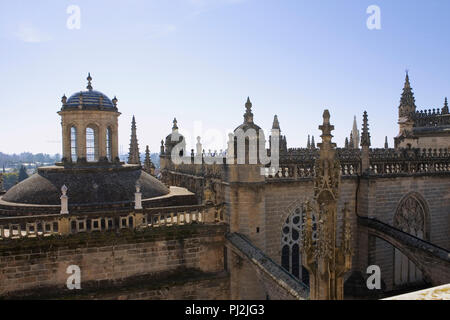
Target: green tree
x=22, y=173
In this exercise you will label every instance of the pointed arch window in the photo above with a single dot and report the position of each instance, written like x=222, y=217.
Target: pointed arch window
x=410, y=217
x=109, y=143
x=291, y=258
x=91, y=145
x=73, y=144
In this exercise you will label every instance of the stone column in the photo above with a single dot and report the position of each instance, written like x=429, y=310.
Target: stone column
x=81, y=141
x=66, y=143
x=102, y=142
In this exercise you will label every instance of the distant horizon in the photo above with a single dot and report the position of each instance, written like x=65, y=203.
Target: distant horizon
x=198, y=61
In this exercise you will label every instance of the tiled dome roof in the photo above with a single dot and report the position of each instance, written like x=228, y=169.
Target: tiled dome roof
x=89, y=99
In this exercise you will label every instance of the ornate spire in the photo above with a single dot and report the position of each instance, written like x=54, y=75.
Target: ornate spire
x=276, y=124
x=355, y=133
x=313, y=144
x=89, y=79
x=134, y=156
x=325, y=260
x=248, y=116
x=386, y=145
x=346, y=143
x=149, y=167
x=407, y=101
x=445, y=108
x=365, y=137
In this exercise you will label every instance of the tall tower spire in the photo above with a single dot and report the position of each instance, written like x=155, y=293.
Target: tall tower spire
x=355, y=134
x=308, y=144
x=407, y=101
x=134, y=156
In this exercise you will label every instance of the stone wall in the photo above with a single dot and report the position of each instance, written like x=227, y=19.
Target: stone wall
x=29, y=264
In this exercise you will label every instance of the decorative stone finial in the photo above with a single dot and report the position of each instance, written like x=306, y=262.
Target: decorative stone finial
x=386, y=145
x=114, y=101
x=89, y=79
x=175, y=124
x=248, y=116
x=326, y=136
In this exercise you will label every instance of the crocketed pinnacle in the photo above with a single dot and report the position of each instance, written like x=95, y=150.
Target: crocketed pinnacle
x=134, y=156
x=407, y=101
x=365, y=137
x=445, y=108
x=148, y=164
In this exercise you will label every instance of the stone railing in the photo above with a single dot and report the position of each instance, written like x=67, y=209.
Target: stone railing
x=65, y=224
x=409, y=161
x=431, y=118
x=307, y=170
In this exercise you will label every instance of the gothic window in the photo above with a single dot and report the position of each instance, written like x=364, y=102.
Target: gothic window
x=91, y=145
x=73, y=144
x=410, y=218
x=108, y=144
x=291, y=258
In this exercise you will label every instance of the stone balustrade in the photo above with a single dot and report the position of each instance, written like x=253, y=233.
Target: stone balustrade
x=65, y=224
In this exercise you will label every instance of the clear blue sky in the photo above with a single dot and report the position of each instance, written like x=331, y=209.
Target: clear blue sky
x=198, y=60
